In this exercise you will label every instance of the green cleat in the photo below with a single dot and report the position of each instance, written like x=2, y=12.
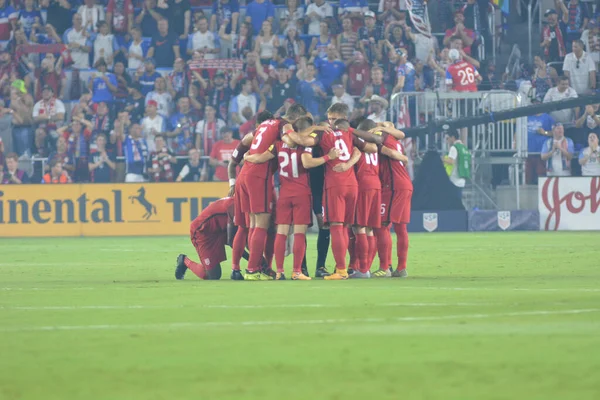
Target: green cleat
x=400, y=273
x=257, y=276
x=382, y=273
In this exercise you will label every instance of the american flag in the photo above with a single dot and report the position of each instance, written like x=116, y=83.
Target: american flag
x=417, y=9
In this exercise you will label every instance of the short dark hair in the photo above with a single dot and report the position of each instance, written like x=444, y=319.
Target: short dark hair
x=367, y=124
x=160, y=136
x=264, y=116
x=563, y=78
x=302, y=123
x=295, y=111
x=339, y=108
x=54, y=161
x=453, y=133
x=101, y=134
x=341, y=123
x=12, y=156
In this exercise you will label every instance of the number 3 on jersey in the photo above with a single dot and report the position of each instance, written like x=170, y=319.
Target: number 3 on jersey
x=258, y=137
x=344, y=152
x=286, y=159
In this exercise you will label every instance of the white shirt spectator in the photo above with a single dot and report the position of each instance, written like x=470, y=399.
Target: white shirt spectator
x=592, y=166
x=323, y=11
x=81, y=59
x=91, y=16
x=208, y=39
x=292, y=20
x=579, y=71
x=379, y=117
x=591, y=42
x=423, y=46
x=164, y=101
x=151, y=127
x=132, y=62
x=346, y=99
x=454, y=177
x=213, y=129
x=51, y=108
x=562, y=116
x=398, y=5
x=244, y=101
x=104, y=47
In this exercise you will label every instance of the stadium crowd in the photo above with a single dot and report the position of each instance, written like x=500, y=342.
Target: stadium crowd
x=131, y=90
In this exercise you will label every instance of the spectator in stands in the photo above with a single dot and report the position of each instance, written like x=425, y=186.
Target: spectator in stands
x=101, y=120
x=56, y=174
x=148, y=77
x=396, y=40
x=389, y=12
x=49, y=74
x=340, y=96
x=561, y=92
x=117, y=138
x=136, y=103
x=102, y=164
x=58, y=14
x=354, y=9
x=236, y=46
x=219, y=95
x=246, y=99
x=538, y=129
x=135, y=149
x=8, y=20
x=207, y=130
x=149, y=17
x=589, y=118
x=294, y=46
x=259, y=11
x=378, y=107
x=221, y=154
x=311, y=91
x=543, y=78
x=102, y=84
x=164, y=47
x=124, y=82
x=179, y=15
x=161, y=161
x=135, y=53
x=281, y=87
x=78, y=141
x=152, y=124
x=589, y=158
x=591, y=40
x=21, y=104
x=347, y=41
x=331, y=70
x=78, y=41
x=580, y=69
x=250, y=125
x=162, y=98
x=458, y=44
x=318, y=46
x=42, y=144
x=291, y=17
x=317, y=11
x=91, y=13
x=557, y=152
x=369, y=37
x=266, y=42
x=467, y=35
x=192, y=170
x=280, y=57
x=49, y=110
x=204, y=41
x=8, y=72
x=182, y=126
x=13, y=175
x=575, y=17
x=225, y=14
x=64, y=156
x=105, y=45
x=553, y=37
x=405, y=73
x=29, y=16
x=119, y=16
x=358, y=74
x=178, y=80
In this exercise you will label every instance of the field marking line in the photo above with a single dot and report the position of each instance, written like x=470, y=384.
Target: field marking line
x=181, y=325
x=227, y=306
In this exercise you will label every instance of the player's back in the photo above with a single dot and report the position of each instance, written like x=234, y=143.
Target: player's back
x=462, y=75
x=343, y=141
x=393, y=173
x=293, y=177
x=367, y=171
x=265, y=136
x=215, y=217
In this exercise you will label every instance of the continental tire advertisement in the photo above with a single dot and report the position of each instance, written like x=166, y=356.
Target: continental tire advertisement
x=146, y=209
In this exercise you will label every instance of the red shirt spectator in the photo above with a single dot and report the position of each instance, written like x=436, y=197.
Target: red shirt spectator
x=221, y=154
x=119, y=15
x=8, y=19
x=358, y=74
x=467, y=35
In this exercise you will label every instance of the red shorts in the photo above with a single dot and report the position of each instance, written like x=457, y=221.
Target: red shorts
x=257, y=194
x=395, y=206
x=210, y=247
x=340, y=204
x=368, y=208
x=294, y=210
x=240, y=218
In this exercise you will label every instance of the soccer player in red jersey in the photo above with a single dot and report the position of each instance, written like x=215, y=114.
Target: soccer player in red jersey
x=208, y=233
x=461, y=76
x=396, y=194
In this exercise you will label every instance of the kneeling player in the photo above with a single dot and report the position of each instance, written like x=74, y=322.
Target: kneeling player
x=208, y=233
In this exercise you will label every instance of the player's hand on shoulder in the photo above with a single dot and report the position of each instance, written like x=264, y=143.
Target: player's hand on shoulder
x=334, y=154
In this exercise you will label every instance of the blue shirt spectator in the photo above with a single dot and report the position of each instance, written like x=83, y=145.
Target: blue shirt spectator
x=103, y=84
x=258, y=12
x=353, y=6
x=330, y=70
x=164, y=47
x=135, y=150
x=407, y=70
x=311, y=91
x=148, y=78
x=535, y=123
x=224, y=10
x=146, y=19
x=27, y=17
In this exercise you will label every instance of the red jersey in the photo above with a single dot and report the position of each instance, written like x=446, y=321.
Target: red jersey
x=462, y=77
x=215, y=217
x=238, y=156
x=367, y=170
x=344, y=142
x=393, y=173
x=264, y=137
x=293, y=177
x=222, y=151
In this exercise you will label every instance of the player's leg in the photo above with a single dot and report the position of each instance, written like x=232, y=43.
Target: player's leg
x=353, y=265
x=361, y=253
x=384, y=248
x=362, y=220
x=184, y=262
x=335, y=216
x=373, y=223
x=280, y=245
x=241, y=220
x=372, y=246
x=323, y=239
x=404, y=206
x=302, y=217
x=261, y=201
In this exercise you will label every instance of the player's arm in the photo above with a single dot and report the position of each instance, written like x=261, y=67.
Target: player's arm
x=368, y=136
x=308, y=161
x=364, y=146
x=260, y=158
x=393, y=154
x=390, y=129
x=356, y=154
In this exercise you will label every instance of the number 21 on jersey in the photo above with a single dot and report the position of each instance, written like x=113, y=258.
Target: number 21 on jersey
x=286, y=160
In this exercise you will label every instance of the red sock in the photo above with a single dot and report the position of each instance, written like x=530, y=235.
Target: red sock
x=401, y=245
x=239, y=245
x=280, y=242
x=196, y=268
x=270, y=248
x=362, y=251
x=352, y=250
x=372, y=249
x=339, y=246
x=250, y=234
x=257, y=248
x=384, y=247
x=299, y=250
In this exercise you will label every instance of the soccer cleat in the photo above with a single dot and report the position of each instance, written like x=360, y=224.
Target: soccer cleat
x=382, y=273
x=181, y=269
x=269, y=272
x=351, y=270
x=299, y=276
x=280, y=276
x=400, y=273
x=305, y=271
x=338, y=275
x=321, y=272
x=236, y=275
x=360, y=275
x=257, y=276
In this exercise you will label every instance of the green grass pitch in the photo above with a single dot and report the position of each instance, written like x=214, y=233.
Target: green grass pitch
x=482, y=316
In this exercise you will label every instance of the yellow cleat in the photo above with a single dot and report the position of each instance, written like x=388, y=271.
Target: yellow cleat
x=299, y=276
x=257, y=276
x=338, y=275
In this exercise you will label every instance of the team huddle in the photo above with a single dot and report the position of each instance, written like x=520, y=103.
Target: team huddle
x=352, y=175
